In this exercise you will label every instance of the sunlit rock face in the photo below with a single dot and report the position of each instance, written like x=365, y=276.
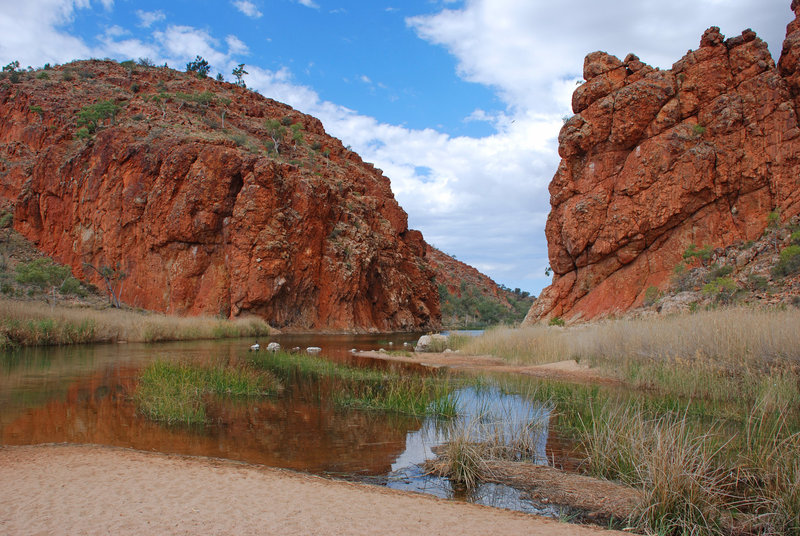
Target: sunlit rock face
x=184, y=188
x=653, y=161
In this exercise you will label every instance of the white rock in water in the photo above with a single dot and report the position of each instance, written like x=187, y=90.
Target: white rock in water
x=425, y=343
x=273, y=347
x=354, y=351
x=313, y=349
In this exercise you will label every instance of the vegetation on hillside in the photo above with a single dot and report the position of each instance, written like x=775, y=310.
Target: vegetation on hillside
x=470, y=308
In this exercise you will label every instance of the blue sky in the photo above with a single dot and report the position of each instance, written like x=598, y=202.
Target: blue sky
x=459, y=102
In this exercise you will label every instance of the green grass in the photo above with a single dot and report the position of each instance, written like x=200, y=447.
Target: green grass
x=176, y=392
x=365, y=388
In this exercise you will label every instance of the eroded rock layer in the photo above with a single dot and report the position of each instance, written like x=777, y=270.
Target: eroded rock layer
x=185, y=190
x=655, y=160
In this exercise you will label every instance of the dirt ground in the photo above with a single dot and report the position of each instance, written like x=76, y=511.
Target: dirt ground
x=87, y=489
x=568, y=370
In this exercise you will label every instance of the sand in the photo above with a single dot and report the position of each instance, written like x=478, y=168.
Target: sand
x=88, y=489
x=567, y=370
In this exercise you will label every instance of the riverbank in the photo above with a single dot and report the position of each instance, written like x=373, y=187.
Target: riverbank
x=34, y=323
x=87, y=489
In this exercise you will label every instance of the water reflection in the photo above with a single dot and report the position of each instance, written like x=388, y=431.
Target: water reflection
x=83, y=395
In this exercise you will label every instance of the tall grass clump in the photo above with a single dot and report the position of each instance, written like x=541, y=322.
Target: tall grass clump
x=25, y=323
x=175, y=392
x=770, y=455
x=720, y=354
x=530, y=345
x=685, y=488
x=504, y=433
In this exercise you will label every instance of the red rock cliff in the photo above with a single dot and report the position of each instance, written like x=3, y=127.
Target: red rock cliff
x=653, y=161
x=182, y=190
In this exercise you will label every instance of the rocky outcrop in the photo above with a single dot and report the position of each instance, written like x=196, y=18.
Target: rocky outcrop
x=184, y=191
x=653, y=161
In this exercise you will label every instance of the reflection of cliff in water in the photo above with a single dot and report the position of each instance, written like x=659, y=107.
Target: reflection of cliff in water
x=291, y=431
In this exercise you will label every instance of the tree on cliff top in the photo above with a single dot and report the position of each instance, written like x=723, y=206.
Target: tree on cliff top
x=199, y=66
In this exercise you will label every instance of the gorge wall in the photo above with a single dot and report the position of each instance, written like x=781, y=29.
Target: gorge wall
x=655, y=160
x=211, y=198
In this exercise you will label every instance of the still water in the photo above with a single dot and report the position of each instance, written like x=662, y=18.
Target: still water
x=83, y=395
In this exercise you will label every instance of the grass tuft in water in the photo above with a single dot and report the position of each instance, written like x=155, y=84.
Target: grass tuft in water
x=174, y=392
x=365, y=388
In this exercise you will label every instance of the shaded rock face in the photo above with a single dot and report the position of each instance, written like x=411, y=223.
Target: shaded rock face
x=205, y=219
x=653, y=161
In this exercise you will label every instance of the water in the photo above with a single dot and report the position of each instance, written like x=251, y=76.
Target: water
x=83, y=395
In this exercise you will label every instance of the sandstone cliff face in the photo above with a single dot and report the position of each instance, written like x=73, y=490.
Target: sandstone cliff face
x=653, y=161
x=205, y=219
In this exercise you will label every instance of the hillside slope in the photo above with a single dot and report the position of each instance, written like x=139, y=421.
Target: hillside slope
x=655, y=161
x=471, y=299
x=211, y=199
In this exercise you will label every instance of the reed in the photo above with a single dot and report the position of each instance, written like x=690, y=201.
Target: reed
x=25, y=323
x=174, y=392
x=365, y=388
x=726, y=354
x=695, y=479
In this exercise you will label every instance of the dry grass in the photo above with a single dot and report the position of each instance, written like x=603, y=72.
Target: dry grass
x=34, y=323
x=742, y=353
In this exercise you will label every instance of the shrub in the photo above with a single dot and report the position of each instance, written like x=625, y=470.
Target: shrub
x=721, y=289
x=698, y=130
x=795, y=238
x=91, y=116
x=721, y=271
x=774, y=218
x=693, y=253
x=651, y=295
x=556, y=321
x=789, y=262
x=43, y=76
x=757, y=282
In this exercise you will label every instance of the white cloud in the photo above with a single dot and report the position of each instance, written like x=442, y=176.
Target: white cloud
x=184, y=42
x=32, y=32
x=236, y=45
x=148, y=18
x=248, y=8
x=520, y=48
x=308, y=3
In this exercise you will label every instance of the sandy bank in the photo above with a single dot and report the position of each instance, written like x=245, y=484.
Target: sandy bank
x=86, y=489
x=568, y=370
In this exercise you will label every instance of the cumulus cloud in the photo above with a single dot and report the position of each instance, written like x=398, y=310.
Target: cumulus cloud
x=308, y=3
x=520, y=48
x=33, y=33
x=248, y=8
x=148, y=18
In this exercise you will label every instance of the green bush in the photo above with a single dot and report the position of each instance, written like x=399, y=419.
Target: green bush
x=774, y=218
x=722, y=289
x=91, y=116
x=556, y=321
x=721, y=271
x=789, y=262
x=651, y=295
x=702, y=254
